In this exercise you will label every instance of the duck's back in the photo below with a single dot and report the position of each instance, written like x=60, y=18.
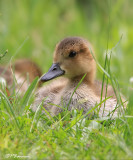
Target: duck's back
x=97, y=87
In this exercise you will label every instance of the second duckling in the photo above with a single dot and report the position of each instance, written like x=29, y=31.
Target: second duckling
x=22, y=72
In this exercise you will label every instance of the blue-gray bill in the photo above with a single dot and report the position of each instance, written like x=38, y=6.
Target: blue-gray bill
x=54, y=71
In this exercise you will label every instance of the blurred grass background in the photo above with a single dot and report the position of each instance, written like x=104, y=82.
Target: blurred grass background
x=32, y=28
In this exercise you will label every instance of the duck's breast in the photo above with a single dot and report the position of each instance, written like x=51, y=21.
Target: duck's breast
x=81, y=98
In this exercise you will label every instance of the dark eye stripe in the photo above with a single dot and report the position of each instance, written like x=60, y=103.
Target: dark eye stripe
x=72, y=54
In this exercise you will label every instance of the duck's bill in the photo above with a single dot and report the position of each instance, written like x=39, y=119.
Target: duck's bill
x=54, y=71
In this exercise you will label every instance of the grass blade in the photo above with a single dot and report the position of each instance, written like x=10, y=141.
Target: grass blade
x=28, y=94
x=9, y=107
x=75, y=90
x=35, y=119
x=3, y=55
x=83, y=116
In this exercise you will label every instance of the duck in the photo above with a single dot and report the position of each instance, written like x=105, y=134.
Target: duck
x=22, y=72
x=73, y=62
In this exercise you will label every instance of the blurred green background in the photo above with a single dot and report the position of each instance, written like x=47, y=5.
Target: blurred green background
x=31, y=28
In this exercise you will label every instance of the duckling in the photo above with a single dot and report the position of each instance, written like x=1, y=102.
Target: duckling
x=24, y=66
x=73, y=59
x=23, y=69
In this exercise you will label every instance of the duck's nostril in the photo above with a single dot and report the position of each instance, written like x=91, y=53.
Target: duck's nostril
x=54, y=68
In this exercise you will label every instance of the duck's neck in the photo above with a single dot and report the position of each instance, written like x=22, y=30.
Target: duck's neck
x=88, y=79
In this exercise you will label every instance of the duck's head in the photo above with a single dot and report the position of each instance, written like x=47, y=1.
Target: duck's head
x=72, y=58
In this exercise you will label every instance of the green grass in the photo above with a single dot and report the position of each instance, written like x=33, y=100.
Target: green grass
x=31, y=29
x=70, y=135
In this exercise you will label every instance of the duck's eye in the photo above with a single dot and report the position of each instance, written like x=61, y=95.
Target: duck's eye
x=72, y=54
